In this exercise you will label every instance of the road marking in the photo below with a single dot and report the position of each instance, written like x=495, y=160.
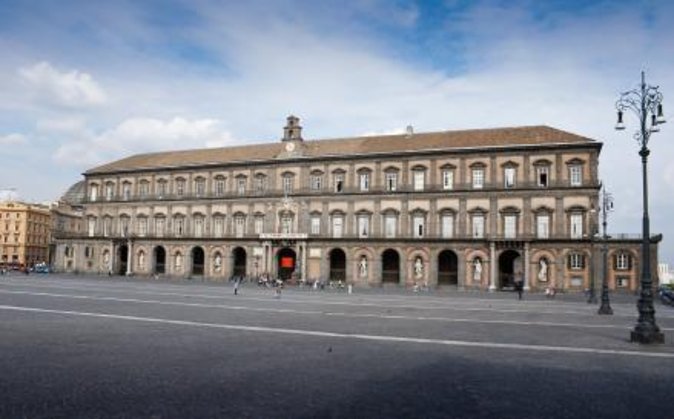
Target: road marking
x=527, y=308
x=321, y=312
x=352, y=336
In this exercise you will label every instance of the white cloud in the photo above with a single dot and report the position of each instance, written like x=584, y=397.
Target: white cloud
x=139, y=135
x=71, y=89
x=12, y=139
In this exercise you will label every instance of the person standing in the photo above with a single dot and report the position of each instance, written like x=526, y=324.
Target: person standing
x=519, y=286
x=236, y=286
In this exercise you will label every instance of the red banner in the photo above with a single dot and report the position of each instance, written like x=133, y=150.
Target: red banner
x=287, y=262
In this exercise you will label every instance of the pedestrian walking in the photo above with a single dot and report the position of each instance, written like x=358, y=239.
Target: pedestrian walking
x=519, y=287
x=236, y=286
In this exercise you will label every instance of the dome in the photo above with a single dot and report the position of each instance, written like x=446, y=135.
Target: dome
x=75, y=194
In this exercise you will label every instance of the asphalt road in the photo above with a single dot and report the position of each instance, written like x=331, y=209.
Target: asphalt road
x=75, y=347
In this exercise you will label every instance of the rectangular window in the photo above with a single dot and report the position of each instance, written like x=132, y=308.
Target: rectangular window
x=142, y=226
x=447, y=179
x=542, y=176
x=391, y=182
x=261, y=184
x=337, y=226
x=161, y=189
x=543, y=226
x=124, y=227
x=259, y=225
x=576, y=226
x=287, y=184
x=109, y=192
x=198, y=227
x=419, y=179
x=447, y=222
x=478, y=178
x=126, y=191
x=143, y=189
x=390, y=225
x=92, y=227
x=509, y=177
x=199, y=187
x=107, y=226
x=180, y=187
x=364, y=182
x=576, y=175
x=622, y=281
x=363, y=226
x=241, y=186
x=315, y=225
x=316, y=182
x=418, y=226
x=622, y=261
x=478, y=226
x=510, y=226
x=93, y=193
x=159, y=224
x=219, y=226
x=286, y=224
x=576, y=261
x=220, y=187
x=339, y=182
x=239, y=226
x=179, y=226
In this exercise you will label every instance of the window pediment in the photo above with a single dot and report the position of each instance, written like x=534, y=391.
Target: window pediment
x=542, y=162
x=509, y=163
x=575, y=161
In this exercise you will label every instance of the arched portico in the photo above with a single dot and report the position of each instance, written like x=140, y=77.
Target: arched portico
x=448, y=267
x=390, y=267
x=197, y=261
x=159, y=260
x=337, y=265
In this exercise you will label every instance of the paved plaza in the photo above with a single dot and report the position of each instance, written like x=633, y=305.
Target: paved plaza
x=100, y=347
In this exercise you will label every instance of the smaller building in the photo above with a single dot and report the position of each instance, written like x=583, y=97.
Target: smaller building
x=25, y=234
x=665, y=275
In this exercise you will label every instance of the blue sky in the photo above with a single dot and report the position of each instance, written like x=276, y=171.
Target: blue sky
x=85, y=82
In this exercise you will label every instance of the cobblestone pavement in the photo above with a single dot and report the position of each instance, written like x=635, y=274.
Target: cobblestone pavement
x=100, y=347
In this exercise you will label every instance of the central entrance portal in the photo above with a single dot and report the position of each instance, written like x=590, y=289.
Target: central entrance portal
x=510, y=268
x=159, y=260
x=123, y=258
x=287, y=261
x=390, y=267
x=337, y=265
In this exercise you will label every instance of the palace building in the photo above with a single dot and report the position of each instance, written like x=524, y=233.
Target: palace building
x=472, y=209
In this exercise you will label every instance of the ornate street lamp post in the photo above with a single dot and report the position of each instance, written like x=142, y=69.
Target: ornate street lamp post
x=646, y=103
x=606, y=206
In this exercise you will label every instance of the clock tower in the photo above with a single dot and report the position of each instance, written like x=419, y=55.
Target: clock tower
x=292, y=131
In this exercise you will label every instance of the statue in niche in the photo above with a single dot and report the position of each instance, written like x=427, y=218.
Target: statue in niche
x=362, y=267
x=218, y=261
x=542, y=270
x=477, y=270
x=418, y=268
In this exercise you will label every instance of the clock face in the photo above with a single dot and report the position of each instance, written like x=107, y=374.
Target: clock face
x=290, y=147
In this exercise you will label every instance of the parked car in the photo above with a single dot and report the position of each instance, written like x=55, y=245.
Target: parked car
x=666, y=295
x=41, y=268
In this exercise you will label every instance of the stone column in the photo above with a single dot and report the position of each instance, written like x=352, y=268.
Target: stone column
x=461, y=270
x=527, y=268
x=303, y=253
x=129, y=258
x=492, y=266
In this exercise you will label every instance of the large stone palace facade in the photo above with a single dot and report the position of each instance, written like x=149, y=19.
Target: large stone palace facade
x=471, y=209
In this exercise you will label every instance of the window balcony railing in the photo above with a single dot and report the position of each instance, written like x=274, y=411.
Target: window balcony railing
x=346, y=190
x=378, y=236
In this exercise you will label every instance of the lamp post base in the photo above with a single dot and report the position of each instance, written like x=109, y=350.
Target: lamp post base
x=605, y=309
x=646, y=335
